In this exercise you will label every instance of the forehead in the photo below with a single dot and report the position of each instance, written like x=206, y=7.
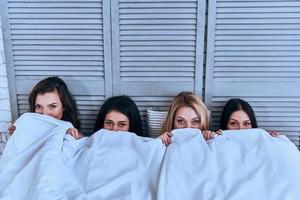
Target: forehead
x=240, y=115
x=48, y=97
x=116, y=116
x=186, y=112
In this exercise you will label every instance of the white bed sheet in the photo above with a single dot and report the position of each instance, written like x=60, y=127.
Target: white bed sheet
x=41, y=162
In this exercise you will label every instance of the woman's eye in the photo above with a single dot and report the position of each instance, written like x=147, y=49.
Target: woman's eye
x=108, y=123
x=180, y=121
x=196, y=122
x=53, y=106
x=232, y=123
x=122, y=125
x=247, y=124
x=37, y=107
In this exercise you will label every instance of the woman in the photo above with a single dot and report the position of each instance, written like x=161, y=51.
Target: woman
x=238, y=114
x=51, y=97
x=186, y=111
x=119, y=113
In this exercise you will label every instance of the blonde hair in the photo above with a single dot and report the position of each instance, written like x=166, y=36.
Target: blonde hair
x=190, y=100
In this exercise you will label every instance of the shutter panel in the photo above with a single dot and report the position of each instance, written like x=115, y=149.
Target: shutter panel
x=157, y=49
x=254, y=54
x=65, y=39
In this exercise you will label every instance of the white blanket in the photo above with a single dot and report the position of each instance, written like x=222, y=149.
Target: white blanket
x=41, y=162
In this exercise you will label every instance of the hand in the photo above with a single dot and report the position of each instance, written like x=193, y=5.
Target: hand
x=166, y=138
x=274, y=133
x=11, y=129
x=219, y=132
x=75, y=133
x=208, y=135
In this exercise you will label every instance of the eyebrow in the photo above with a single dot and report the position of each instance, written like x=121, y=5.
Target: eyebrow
x=48, y=104
x=238, y=120
x=113, y=121
x=178, y=117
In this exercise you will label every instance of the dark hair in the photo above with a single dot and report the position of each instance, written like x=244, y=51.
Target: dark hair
x=233, y=105
x=127, y=107
x=52, y=84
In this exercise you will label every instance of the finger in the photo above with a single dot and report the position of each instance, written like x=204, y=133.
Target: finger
x=169, y=141
x=206, y=136
x=214, y=134
x=163, y=139
x=209, y=136
x=273, y=135
x=166, y=142
x=73, y=133
x=208, y=133
x=76, y=134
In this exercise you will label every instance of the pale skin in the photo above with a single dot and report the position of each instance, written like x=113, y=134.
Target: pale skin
x=116, y=121
x=186, y=117
x=240, y=120
x=50, y=104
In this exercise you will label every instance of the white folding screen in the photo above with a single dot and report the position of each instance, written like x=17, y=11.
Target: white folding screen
x=149, y=49
x=153, y=49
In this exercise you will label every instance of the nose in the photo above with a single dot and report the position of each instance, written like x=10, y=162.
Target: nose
x=115, y=128
x=47, y=112
x=243, y=127
x=189, y=125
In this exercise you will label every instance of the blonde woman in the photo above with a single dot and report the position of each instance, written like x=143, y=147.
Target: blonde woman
x=186, y=111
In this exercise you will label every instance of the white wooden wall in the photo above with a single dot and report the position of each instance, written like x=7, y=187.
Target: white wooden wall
x=254, y=53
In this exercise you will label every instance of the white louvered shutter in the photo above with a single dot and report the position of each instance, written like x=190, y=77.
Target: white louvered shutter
x=65, y=39
x=254, y=54
x=157, y=49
